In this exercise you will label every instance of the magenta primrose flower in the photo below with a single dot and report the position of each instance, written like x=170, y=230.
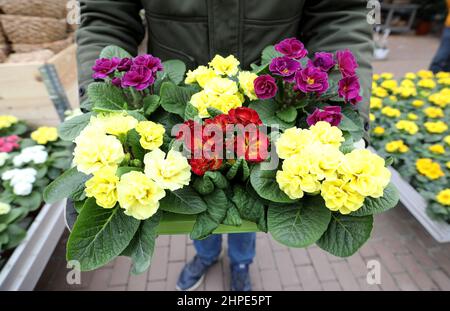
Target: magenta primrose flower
x=346, y=62
x=104, y=67
x=265, y=87
x=285, y=67
x=324, y=61
x=292, y=48
x=311, y=79
x=349, y=89
x=139, y=77
x=125, y=64
x=149, y=61
x=330, y=114
x=9, y=143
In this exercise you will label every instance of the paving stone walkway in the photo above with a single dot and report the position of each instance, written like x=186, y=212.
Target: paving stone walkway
x=409, y=258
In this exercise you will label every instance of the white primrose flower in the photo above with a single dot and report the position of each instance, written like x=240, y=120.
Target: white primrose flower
x=22, y=189
x=3, y=157
x=35, y=154
x=21, y=180
x=5, y=208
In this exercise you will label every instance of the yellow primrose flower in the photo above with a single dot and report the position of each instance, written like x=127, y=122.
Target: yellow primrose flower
x=391, y=112
x=437, y=149
x=340, y=197
x=418, y=103
x=374, y=85
x=152, y=134
x=246, y=79
x=295, y=177
x=396, y=146
x=172, y=172
x=372, y=117
x=409, y=127
x=439, y=99
x=201, y=75
x=448, y=165
x=200, y=101
x=225, y=65
x=376, y=103
x=442, y=75
x=375, y=77
x=436, y=127
x=434, y=112
x=432, y=170
x=389, y=84
x=221, y=86
x=425, y=74
x=380, y=92
x=393, y=98
x=115, y=123
x=7, y=121
x=427, y=83
x=139, y=195
x=95, y=150
x=5, y=208
x=408, y=83
x=444, y=81
x=378, y=131
x=443, y=197
x=327, y=134
x=447, y=139
x=44, y=134
x=387, y=75
x=103, y=187
x=225, y=102
x=365, y=172
x=406, y=92
x=292, y=142
x=412, y=116
x=410, y=76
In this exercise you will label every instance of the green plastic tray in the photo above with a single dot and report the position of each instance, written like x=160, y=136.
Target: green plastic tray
x=182, y=224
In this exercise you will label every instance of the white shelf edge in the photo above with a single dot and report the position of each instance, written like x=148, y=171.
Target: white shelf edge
x=26, y=264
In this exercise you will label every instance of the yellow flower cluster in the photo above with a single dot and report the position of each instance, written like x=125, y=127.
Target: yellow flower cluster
x=425, y=74
x=441, y=99
x=44, y=134
x=314, y=164
x=99, y=153
x=432, y=170
x=7, y=121
x=443, y=197
x=379, y=131
x=219, y=87
x=412, y=116
x=410, y=76
x=434, y=112
x=437, y=149
x=376, y=103
x=409, y=127
x=391, y=112
x=417, y=103
x=436, y=127
x=396, y=146
x=427, y=83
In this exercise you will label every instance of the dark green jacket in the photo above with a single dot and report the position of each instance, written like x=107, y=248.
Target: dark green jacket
x=195, y=30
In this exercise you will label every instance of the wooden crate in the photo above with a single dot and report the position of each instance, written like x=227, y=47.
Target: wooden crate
x=38, y=93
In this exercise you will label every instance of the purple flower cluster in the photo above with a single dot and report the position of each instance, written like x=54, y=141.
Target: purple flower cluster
x=139, y=72
x=330, y=114
x=349, y=87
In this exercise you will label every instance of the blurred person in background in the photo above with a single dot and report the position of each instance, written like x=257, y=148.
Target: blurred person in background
x=194, y=31
x=441, y=61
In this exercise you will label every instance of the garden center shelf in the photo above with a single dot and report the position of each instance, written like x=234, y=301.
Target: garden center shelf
x=27, y=262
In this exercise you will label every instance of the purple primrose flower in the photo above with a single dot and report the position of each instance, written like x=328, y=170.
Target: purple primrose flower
x=292, y=48
x=265, y=87
x=285, y=67
x=103, y=67
x=330, y=114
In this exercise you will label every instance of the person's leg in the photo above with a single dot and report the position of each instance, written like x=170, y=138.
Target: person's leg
x=208, y=251
x=441, y=61
x=241, y=250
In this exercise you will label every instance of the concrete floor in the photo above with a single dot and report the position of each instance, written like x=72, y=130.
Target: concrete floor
x=409, y=257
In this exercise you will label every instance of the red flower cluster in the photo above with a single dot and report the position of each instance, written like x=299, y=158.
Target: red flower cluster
x=236, y=133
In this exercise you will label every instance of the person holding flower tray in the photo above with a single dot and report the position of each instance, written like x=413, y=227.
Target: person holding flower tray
x=139, y=109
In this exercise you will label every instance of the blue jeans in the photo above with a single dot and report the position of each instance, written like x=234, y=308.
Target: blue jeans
x=441, y=61
x=241, y=248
